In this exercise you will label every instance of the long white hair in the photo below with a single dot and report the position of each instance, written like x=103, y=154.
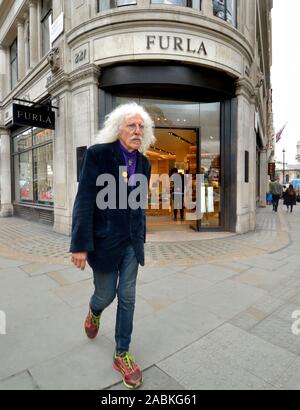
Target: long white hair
x=114, y=120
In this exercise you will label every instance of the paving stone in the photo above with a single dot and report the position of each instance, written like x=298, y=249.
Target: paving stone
x=212, y=272
x=171, y=289
x=261, y=278
x=245, y=351
x=9, y=263
x=265, y=262
x=76, y=294
x=256, y=313
x=268, y=304
x=290, y=379
x=233, y=266
x=287, y=289
x=40, y=268
x=70, y=275
x=23, y=347
x=85, y=367
x=147, y=275
x=246, y=320
x=227, y=299
x=22, y=381
x=278, y=332
x=195, y=369
x=9, y=275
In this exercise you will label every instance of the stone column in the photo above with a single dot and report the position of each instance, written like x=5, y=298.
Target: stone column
x=207, y=7
x=21, y=49
x=76, y=95
x=3, y=72
x=33, y=33
x=246, y=141
x=6, y=208
x=263, y=178
x=26, y=43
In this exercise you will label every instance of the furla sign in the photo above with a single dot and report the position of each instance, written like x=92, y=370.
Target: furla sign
x=40, y=117
x=176, y=43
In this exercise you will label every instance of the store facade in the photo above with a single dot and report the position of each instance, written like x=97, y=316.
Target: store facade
x=196, y=68
x=191, y=118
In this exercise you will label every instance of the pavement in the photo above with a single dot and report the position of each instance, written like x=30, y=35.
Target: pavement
x=213, y=311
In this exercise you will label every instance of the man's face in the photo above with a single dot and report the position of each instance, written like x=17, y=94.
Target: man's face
x=132, y=132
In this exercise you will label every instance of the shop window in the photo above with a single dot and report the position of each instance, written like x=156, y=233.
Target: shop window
x=23, y=177
x=183, y=3
x=226, y=10
x=43, y=174
x=46, y=21
x=103, y=5
x=33, y=167
x=23, y=141
x=13, y=53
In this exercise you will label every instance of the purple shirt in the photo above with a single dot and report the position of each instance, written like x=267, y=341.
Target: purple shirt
x=130, y=160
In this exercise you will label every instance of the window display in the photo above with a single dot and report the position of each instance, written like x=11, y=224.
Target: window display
x=43, y=175
x=33, y=167
x=23, y=177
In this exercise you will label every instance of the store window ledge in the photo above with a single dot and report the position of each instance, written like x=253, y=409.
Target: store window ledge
x=36, y=206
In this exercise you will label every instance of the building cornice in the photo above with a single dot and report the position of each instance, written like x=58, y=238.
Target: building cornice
x=62, y=81
x=245, y=88
x=191, y=20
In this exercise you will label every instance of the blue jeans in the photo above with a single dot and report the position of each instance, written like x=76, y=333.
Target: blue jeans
x=121, y=282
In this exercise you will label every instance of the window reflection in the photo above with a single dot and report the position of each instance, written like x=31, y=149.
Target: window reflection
x=23, y=177
x=183, y=3
x=210, y=162
x=225, y=9
x=33, y=166
x=43, y=174
x=110, y=4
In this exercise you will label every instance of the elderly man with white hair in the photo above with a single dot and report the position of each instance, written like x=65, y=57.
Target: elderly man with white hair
x=111, y=239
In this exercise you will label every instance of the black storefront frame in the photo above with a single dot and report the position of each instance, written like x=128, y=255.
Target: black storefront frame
x=163, y=81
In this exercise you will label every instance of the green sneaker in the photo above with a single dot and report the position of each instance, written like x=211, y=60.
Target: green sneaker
x=131, y=374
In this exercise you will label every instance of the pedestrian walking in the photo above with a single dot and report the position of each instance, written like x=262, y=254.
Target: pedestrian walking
x=275, y=189
x=177, y=194
x=111, y=240
x=289, y=198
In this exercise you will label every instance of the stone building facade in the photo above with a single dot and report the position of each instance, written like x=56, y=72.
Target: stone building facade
x=201, y=69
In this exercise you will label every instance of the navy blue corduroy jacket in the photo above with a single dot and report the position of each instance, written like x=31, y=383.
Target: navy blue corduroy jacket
x=105, y=233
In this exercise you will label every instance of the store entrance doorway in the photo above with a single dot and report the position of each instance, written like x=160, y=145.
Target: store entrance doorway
x=175, y=151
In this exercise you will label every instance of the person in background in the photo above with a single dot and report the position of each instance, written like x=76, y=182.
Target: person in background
x=177, y=194
x=289, y=198
x=275, y=189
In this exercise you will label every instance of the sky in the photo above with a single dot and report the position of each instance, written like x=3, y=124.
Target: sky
x=285, y=76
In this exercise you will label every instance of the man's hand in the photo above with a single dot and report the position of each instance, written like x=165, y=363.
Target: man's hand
x=79, y=259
